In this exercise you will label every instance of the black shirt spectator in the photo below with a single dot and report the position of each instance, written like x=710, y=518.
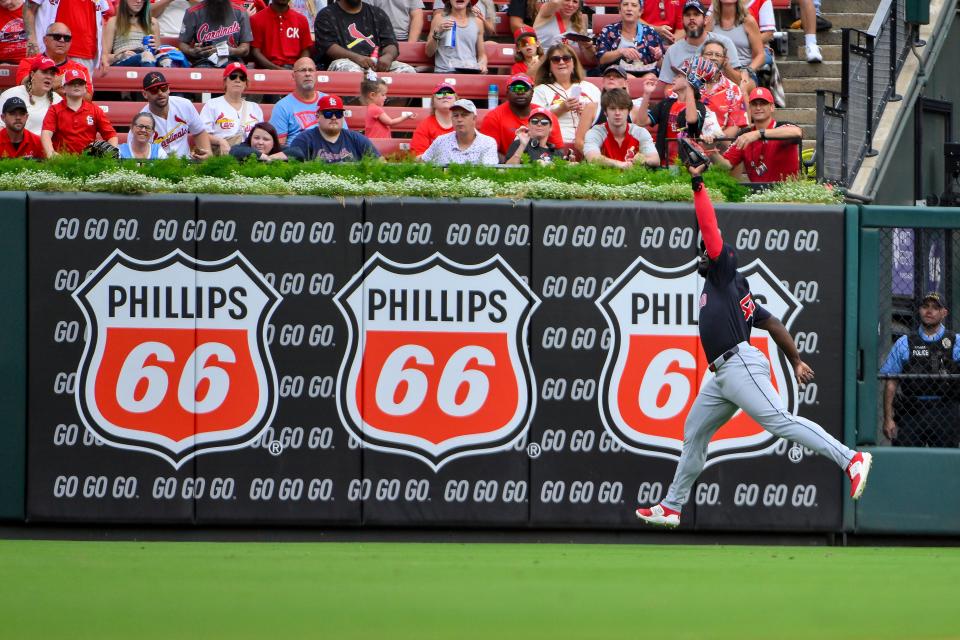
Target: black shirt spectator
x=342, y=35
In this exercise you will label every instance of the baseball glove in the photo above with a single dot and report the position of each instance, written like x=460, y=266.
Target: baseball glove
x=699, y=71
x=102, y=149
x=690, y=154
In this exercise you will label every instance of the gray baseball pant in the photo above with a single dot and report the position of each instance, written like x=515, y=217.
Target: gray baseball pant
x=743, y=382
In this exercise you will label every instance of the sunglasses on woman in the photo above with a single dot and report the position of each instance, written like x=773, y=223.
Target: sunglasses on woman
x=540, y=122
x=444, y=93
x=237, y=76
x=331, y=115
x=559, y=59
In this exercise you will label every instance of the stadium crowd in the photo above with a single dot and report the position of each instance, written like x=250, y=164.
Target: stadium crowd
x=699, y=69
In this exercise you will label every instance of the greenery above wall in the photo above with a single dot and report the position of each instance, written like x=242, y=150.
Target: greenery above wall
x=225, y=175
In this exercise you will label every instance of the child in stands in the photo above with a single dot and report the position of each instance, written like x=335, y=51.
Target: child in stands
x=373, y=93
x=528, y=53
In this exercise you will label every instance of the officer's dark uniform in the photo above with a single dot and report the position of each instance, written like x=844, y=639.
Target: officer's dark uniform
x=926, y=409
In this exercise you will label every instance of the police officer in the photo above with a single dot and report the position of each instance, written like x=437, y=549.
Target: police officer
x=922, y=411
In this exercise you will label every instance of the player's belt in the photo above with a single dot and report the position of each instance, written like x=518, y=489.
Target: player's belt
x=726, y=356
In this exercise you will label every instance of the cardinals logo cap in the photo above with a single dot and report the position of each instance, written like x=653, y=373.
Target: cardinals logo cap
x=73, y=75
x=330, y=103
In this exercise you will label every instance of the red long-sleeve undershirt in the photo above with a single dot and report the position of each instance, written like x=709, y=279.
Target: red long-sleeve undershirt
x=707, y=219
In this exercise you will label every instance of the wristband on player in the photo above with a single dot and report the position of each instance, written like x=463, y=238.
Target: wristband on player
x=696, y=182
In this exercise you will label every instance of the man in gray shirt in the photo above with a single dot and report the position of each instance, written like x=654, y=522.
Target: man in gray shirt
x=694, y=26
x=406, y=16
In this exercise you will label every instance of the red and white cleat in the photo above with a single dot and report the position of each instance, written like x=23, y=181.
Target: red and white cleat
x=660, y=516
x=858, y=470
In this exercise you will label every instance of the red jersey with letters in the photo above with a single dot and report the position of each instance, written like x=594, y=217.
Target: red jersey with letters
x=74, y=130
x=280, y=37
x=13, y=36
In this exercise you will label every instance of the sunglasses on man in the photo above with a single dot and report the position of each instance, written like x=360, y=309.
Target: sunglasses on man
x=163, y=88
x=331, y=114
x=519, y=89
x=60, y=37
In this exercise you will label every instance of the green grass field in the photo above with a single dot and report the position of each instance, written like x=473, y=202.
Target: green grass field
x=484, y=591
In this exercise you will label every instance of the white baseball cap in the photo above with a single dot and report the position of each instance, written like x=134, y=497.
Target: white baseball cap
x=465, y=104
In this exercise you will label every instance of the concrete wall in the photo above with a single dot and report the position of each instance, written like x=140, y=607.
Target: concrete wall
x=896, y=187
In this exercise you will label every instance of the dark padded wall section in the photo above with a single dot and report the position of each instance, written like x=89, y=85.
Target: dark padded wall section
x=582, y=474
x=72, y=473
x=301, y=468
x=13, y=345
x=472, y=374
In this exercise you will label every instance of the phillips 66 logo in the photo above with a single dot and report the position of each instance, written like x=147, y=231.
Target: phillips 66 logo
x=176, y=363
x=438, y=365
x=656, y=365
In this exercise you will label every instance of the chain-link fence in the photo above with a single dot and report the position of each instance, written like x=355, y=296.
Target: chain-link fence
x=918, y=354
x=847, y=121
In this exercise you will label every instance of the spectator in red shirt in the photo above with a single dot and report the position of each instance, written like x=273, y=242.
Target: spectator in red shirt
x=15, y=140
x=502, y=123
x=84, y=19
x=281, y=36
x=666, y=18
x=439, y=122
x=13, y=35
x=71, y=125
x=57, y=42
x=768, y=150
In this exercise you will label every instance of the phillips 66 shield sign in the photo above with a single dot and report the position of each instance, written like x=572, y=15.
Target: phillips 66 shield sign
x=656, y=365
x=438, y=365
x=176, y=362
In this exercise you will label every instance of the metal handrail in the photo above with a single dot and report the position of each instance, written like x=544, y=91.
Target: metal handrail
x=848, y=120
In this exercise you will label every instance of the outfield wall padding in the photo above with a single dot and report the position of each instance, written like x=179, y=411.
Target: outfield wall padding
x=13, y=363
x=409, y=362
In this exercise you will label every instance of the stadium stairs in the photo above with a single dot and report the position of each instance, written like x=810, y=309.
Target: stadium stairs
x=801, y=79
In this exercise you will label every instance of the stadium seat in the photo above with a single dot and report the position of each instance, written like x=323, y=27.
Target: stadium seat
x=600, y=20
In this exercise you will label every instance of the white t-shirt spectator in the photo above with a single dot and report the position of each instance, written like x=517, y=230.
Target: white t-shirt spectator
x=221, y=119
x=173, y=132
x=548, y=95
x=36, y=108
x=171, y=19
x=445, y=150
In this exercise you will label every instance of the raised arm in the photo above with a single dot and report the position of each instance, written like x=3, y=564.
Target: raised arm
x=706, y=216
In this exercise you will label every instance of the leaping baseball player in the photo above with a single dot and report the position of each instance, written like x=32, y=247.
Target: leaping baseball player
x=742, y=372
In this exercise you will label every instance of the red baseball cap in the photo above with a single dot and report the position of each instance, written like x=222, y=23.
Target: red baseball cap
x=330, y=103
x=540, y=111
x=760, y=93
x=42, y=63
x=444, y=85
x=524, y=32
x=522, y=78
x=235, y=66
x=73, y=75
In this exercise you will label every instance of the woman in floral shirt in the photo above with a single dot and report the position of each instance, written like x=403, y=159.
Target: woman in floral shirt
x=629, y=43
